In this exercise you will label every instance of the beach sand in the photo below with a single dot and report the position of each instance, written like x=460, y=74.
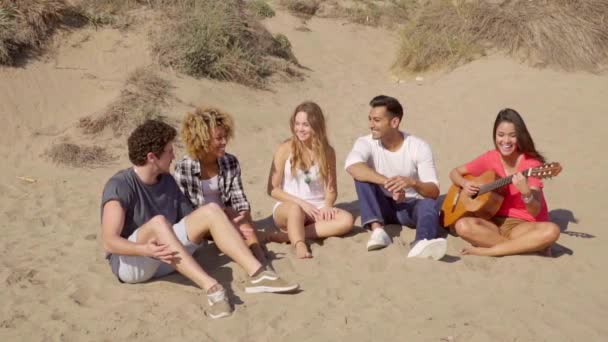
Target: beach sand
x=57, y=286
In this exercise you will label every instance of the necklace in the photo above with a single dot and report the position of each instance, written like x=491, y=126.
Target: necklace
x=307, y=178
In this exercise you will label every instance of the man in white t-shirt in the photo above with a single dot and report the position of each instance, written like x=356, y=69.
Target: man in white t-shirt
x=396, y=181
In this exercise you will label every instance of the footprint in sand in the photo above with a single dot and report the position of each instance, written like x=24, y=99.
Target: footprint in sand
x=23, y=278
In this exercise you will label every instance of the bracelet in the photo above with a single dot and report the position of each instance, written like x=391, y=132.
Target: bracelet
x=528, y=199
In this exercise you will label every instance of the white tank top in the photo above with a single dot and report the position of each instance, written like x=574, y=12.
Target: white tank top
x=211, y=191
x=305, y=185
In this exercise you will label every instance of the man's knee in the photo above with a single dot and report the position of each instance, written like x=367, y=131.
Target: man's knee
x=159, y=222
x=365, y=188
x=427, y=204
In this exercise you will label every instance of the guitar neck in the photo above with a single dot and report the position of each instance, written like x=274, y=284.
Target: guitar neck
x=499, y=183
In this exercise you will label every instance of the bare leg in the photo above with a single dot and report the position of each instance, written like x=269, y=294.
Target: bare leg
x=160, y=229
x=340, y=225
x=478, y=232
x=245, y=227
x=211, y=219
x=525, y=238
x=290, y=215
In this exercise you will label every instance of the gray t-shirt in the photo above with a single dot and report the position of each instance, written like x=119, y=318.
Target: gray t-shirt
x=143, y=201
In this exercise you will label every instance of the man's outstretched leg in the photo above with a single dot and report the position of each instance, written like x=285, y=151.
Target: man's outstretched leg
x=211, y=220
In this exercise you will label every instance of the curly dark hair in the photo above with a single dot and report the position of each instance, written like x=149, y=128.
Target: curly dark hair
x=151, y=136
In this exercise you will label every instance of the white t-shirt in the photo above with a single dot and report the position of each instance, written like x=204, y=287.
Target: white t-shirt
x=413, y=159
x=211, y=191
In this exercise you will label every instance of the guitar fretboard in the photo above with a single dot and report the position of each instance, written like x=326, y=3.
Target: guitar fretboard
x=499, y=183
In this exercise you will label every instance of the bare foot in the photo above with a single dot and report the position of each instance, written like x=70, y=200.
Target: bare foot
x=474, y=251
x=302, y=251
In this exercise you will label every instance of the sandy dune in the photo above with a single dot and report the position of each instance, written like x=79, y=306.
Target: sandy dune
x=56, y=285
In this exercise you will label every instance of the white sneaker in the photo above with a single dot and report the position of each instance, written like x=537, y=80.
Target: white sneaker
x=429, y=249
x=378, y=240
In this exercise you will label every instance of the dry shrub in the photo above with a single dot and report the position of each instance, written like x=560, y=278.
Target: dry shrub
x=143, y=97
x=261, y=8
x=26, y=25
x=115, y=13
x=379, y=13
x=570, y=34
x=221, y=40
x=78, y=156
x=305, y=8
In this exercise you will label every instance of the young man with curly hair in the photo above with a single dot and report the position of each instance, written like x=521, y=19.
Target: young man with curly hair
x=149, y=228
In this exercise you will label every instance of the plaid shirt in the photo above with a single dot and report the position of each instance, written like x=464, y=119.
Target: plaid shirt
x=187, y=174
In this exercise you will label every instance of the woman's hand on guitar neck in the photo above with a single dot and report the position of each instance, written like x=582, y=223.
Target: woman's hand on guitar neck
x=470, y=188
x=521, y=183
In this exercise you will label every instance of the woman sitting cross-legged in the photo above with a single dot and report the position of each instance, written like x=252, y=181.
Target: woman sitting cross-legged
x=522, y=223
x=303, y=181
x=210, y=175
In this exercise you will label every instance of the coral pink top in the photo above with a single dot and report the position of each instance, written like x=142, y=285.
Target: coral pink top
x=512, y=205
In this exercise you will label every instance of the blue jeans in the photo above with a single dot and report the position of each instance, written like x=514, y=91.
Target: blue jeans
x=422, y=214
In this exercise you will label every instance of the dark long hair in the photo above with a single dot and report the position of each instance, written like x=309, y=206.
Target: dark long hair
x=525, y=144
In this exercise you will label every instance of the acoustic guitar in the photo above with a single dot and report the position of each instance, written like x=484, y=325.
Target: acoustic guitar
x=487, y=201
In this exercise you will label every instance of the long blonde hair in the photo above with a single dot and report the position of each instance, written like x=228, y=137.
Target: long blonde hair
x=320, y=144
x=198, y=126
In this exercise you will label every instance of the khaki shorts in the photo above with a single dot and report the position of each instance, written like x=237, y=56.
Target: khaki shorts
x=506, y=224
x=137, y=269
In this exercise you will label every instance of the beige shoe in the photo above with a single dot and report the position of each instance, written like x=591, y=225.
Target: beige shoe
x=268, y=281
x=219, y=306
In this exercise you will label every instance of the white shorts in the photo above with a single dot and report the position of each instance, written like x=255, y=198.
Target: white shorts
x=316, y=204
x=137, y=269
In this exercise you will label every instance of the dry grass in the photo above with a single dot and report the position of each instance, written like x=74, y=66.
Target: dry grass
x=26, y=26
x=388, y=13
x=144, y=96
x=568, y=34
x=78, y=155
x=303, y=8
x=221, y=40
x=261, y=8
x=115, y=13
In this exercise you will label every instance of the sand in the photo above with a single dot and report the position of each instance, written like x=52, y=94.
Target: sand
x=56, y=285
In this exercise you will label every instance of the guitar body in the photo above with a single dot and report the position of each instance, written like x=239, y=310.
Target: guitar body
x=457, y=204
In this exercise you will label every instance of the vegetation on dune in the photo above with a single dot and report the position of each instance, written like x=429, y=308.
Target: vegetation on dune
x=569, y=34
x=304, y=8
x=26, y=25
x=261, y=8
x=144, y=96
x=78, y=155
x=221, y=40
x=386, y=13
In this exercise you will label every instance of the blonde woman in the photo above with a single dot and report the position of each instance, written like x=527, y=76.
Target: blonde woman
x=303, y=181
x=210, y=175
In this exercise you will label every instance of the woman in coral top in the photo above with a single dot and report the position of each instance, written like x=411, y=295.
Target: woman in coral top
x=521, y=225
